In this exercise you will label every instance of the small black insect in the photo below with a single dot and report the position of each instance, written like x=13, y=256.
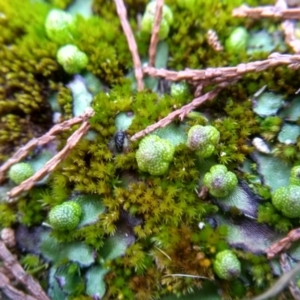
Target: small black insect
x=119, y=140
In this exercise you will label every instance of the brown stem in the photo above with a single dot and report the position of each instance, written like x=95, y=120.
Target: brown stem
x=155, y=32
x=121, y=10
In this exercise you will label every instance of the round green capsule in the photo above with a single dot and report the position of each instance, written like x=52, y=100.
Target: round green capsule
x=20, y=172
x=226, y=265
x=65, y=216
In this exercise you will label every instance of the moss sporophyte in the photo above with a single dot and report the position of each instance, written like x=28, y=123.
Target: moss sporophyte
x=108, y=206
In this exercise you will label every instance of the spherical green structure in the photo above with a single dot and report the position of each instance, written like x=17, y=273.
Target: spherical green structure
x=65, y=216
x=287, y=200
x=154, y=155
x=20, y=172
x=72, y=59
x=219, y=181
x=59, y=25
x=148, y=22
x=203, y=140
x=226, y=265
x=237, y=41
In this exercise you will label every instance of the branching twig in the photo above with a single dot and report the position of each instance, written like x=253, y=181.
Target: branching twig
x=155, y=32
x=266, y=12
x=286, y=267
x=217, y=75
x=181, y=112
x=279, y=285
x=52, y=163
x=284, y=243
x=12, y=264
x=46, y=138
x=121, y=10
x=10, y=291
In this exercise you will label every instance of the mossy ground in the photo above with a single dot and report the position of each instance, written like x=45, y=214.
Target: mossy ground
x=162, y=213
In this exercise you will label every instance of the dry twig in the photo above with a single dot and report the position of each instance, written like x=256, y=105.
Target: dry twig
x=10, y=291
x=52, y=163
x=283, y=244
x=45, y=139
x=155, y=31
x=15, y=268
x=217, y=75
x=213, y=40
x=121, y=10
x=181, y=112
x=266, y=12
x=279, y=285
x=286, y=267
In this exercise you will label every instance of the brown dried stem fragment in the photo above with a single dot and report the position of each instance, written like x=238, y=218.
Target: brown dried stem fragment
x=217, y=75
x=121, y=10
x=283, y=244
x=12, y=264
x=52, y=163
x=181, y=112
x=45, y=139
x=286, y=267
x=10, y=291
x=155, y=31
x=213, y=40
x=266, y=12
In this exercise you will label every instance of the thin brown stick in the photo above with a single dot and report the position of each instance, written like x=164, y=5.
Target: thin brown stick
x=266, y=12
x=45, y=139
x=121, y=10
x=286, y=267
x=10, y=291
x=181, y=112
x=51, y=164
x=217, y=75
x=213, y=40
x=15, y=268
x=155, y=32
x=283, y=244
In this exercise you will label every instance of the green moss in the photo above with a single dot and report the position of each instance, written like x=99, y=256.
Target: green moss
x=235, y=130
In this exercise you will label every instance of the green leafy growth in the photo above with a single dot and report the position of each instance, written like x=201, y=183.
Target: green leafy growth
x=274, y=172
x=269, y=127
x=70, y=279
x=91, y=207
x=95, y=285
x=235, y=131
x=289, y=133
x=59, y=252
x=268, y=104
x=268, y=214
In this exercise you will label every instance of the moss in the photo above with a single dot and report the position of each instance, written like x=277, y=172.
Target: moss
x=235, y=130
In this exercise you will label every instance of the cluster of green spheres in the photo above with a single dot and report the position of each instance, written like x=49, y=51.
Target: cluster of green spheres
x=60, y=26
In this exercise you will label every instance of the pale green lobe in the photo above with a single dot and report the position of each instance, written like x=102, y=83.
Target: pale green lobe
x=226, y=265
x=295, y=175
x=148, y=22
x=65, y=216
x=59, y=25
x=237, y=41
x=203, y=140
x=20, y=172
x=154, y=155
x=72, y=59
x=287, y=200
x=219, y=181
